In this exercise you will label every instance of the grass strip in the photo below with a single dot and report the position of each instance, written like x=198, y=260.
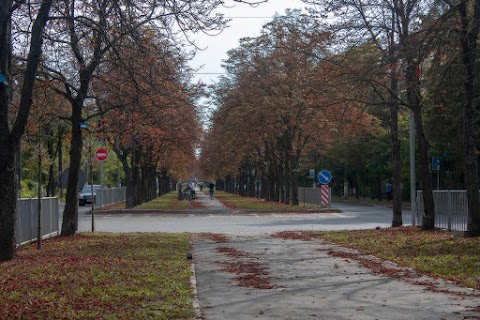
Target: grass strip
x=168, y=201
x=436, y=252
x=99, y=276
x=235, y=201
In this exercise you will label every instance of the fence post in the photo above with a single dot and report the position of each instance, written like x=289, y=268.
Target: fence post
x=449, y=216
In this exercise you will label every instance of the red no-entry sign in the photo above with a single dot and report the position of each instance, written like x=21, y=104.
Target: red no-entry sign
x=101, y=154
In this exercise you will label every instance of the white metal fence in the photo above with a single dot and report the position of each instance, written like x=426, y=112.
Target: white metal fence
x=451, y=209
x=310, y=195
x=27, y=219
x=27, y=214
x=110, y=196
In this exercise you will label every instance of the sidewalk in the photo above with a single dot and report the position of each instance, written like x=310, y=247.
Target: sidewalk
x=299, y=279
x=209, y=204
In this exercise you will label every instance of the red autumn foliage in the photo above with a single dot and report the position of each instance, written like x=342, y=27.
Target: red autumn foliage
x=233, y=253
x=294, y=235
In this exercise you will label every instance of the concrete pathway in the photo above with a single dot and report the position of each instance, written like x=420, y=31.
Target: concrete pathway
x=300, y=279
x=211, y=205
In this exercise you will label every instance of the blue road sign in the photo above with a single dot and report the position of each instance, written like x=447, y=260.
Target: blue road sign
x=324, y=177
x=436, y=164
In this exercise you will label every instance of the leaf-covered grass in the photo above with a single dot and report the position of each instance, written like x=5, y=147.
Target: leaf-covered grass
x=436, y=252
x=369, y=201
x=99, y=276
x=169, y=201
x=235, y=201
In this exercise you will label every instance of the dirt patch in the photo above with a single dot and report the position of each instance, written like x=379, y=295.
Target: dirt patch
x=244, y=267
x=250, y=274
x=194, y=204
x=215, y=237
x=228, y=204
x=233, y=253
x=115, y=206
x=294, y=235
x=256, y=281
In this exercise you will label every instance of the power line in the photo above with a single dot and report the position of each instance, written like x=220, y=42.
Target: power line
x=249, y=17
x=208, y=73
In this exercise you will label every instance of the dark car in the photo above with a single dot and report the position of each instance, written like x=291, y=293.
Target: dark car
x=86, y=194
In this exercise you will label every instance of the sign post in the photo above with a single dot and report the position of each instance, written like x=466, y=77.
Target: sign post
x=325, y=194
x=436, y=167
x=312, y=176
x=324, y=177
x=101, y=154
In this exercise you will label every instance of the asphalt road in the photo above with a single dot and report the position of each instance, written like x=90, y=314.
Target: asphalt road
x=223, y=221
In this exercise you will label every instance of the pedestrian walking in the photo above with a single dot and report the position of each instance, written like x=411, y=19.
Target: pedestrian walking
x=389, y=190
x=211, y=188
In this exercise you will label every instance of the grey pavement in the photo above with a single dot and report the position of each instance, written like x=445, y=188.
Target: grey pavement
x=303, y=280
x=211, y=205
x=306, y=282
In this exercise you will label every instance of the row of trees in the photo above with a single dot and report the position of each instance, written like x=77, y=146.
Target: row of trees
x=369, y=61
x=99, y=56
x=278, y=103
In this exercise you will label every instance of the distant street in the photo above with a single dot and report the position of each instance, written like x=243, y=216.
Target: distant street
x=352, y=217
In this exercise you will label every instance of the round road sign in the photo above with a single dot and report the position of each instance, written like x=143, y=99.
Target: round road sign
x=324, y=177
x=101, y=154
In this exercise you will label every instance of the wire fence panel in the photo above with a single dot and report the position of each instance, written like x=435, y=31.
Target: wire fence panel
x=110, y=196
x=451, y=210
x=27, y=219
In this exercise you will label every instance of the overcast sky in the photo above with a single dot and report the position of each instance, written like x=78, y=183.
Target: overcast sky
x=246, y=21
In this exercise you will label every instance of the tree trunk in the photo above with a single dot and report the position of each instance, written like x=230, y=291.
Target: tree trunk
x=8, y=199
x=280, y=195
x=469, y=34
x=10, y=140
x=294, y=181
x=286, y=182
x=413, y=100
x=70, y=213
x=428, y=222
x=396, y=155
x=123, y=157
x=272, y=191
x=136, y=178
x=60, y=162
x=242, y=181
x=379, y=187
x=8, y=154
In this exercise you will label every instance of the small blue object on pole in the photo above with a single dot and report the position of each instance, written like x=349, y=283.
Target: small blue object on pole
x=436, y=164
x=2, y=78
x=324, y=177
x=84, y=125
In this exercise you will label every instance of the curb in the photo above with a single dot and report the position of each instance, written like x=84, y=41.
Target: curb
x=195, y=302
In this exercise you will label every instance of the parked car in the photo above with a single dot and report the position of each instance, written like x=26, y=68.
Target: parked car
x=86, y=194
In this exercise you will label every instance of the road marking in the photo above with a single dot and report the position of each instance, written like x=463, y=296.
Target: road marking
x=338, y=215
